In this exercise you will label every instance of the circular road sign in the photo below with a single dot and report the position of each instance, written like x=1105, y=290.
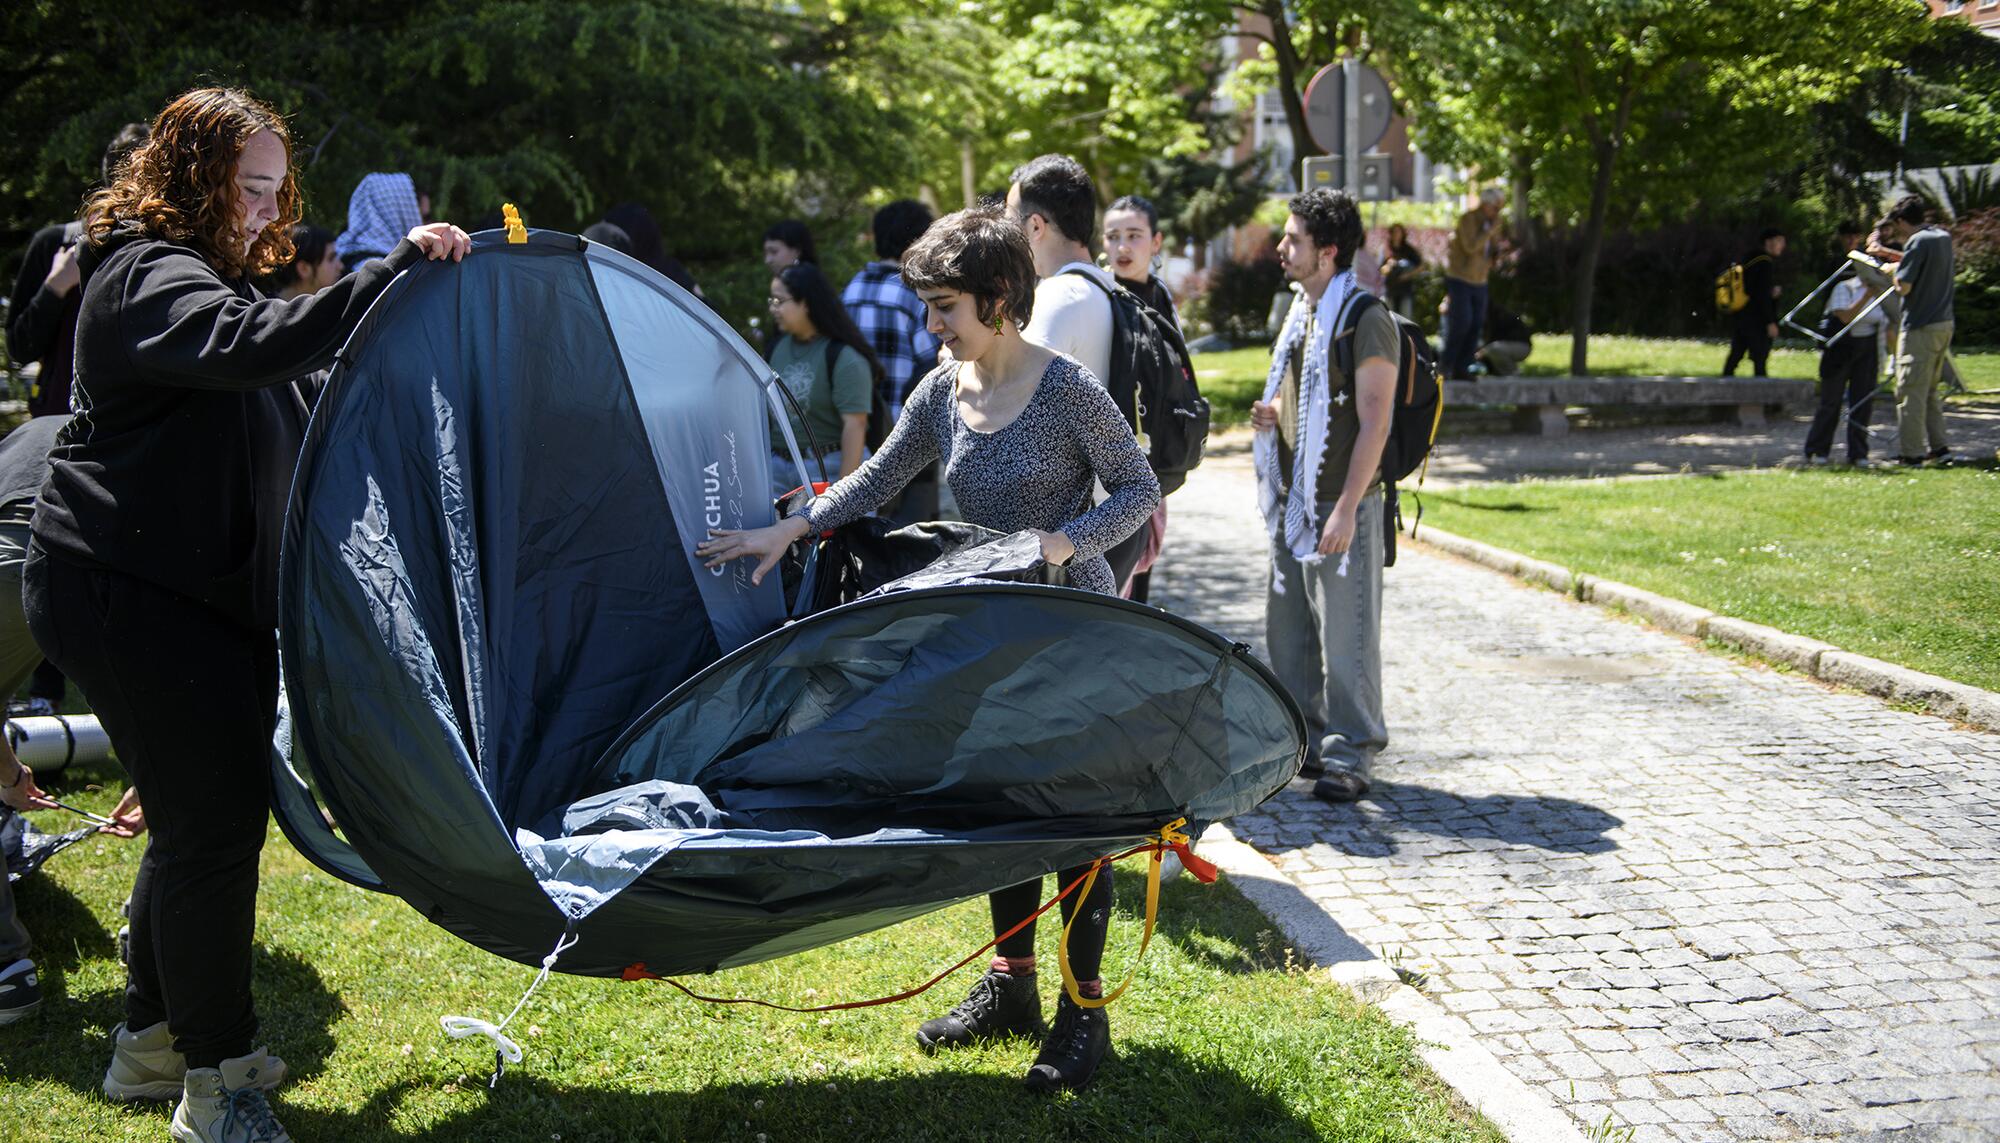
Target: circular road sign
x=1326, y=108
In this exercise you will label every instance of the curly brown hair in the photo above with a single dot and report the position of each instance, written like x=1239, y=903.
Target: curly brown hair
x=180, y=185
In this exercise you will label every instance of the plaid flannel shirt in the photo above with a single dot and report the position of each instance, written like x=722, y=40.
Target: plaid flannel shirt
x=891, y=317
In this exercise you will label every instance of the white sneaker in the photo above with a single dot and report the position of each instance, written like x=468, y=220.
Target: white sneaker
x=144, y=1065
x=227, y=1105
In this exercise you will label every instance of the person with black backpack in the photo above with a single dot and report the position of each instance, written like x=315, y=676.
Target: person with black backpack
x=832, y=375
x=1322, y=428
x=1130, y=349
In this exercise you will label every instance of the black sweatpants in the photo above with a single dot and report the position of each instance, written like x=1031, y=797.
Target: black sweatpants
x=1749, y=337
x=1086, y=946
x=1846, y=377
x=189, y=699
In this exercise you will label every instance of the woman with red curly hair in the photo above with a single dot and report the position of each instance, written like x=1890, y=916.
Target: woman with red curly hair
x=152, y=576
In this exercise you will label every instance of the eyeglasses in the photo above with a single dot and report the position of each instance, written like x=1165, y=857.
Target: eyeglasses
x=775, y=302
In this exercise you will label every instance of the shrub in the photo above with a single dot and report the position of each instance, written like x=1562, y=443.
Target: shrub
x=1976, y=286
x=1239, y=297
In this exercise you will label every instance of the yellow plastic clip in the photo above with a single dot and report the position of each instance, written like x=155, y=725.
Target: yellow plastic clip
x=517, y=231
x=1171, y=836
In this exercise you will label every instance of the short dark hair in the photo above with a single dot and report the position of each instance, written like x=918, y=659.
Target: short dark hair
x=1059, y=189
x=609, y=234
x=1141, y=204
x=1849, y=226
x=127, y=140
x=794, y=234
x=1770, y=232
x=897, y=225
x=1910, y=208
x=980, y=252
x=1331, y=219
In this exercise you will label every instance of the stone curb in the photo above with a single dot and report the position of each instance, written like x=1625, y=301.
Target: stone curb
x=1445, y=1042
x=1824, y=661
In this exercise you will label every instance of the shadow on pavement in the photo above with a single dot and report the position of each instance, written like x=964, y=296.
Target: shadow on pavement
x=1379, y=825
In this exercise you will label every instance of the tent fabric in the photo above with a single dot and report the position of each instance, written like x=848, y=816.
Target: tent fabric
x=532, y=711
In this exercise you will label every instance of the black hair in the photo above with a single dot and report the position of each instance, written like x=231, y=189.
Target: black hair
x=1849, y=226
x=309, y=244
x=1059, y=189
x=127, y=140
x=794, y=234
x=980, y=252
x=1770, y=232
x=1331, y=219
x=641, y=230
x=1141, y=204
x=899, y=224
x=609, y=234
x=1910, y=208
x=823, y=307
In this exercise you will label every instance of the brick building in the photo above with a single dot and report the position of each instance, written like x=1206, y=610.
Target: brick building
x=1981, y=14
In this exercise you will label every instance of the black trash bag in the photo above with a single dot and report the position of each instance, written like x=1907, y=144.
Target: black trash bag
x=26, y=847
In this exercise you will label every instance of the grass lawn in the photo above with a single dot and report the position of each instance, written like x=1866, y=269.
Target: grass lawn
x=1234, y=378
x=1220, y=1037
x=1898, y=565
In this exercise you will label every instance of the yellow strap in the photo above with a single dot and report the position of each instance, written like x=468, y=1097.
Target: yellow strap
x=1170, y=834
x=517, y=231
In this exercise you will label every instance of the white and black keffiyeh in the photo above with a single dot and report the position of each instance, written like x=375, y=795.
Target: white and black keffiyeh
x=1296, y=527
x=380, y=212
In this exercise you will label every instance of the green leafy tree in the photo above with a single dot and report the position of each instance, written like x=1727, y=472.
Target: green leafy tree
x=1113, y=84
x=1651, y=98
x=716, y=114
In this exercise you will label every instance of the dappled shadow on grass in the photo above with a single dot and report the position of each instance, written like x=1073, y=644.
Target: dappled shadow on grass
x=69, y=1041
x=1212, y=925
x=1142, y=1092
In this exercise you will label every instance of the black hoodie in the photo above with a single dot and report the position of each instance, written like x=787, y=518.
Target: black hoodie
x=178, y=463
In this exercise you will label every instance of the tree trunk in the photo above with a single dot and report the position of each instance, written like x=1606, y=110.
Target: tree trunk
x=1526, y=233
x=1586, y=260
x=1290, y=80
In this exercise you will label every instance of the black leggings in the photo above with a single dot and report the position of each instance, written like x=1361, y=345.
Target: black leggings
x=189, y=699
x=1086, y=946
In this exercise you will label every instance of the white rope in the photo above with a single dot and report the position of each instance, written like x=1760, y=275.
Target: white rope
x=505, y=1050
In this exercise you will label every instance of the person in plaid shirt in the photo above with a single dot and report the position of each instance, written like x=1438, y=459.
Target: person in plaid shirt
x=886, y=310
x=892, y=319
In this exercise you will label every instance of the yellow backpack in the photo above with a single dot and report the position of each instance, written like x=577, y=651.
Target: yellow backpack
x=1731, y=295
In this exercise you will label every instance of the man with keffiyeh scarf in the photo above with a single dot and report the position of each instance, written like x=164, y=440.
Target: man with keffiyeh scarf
x=1319, y=455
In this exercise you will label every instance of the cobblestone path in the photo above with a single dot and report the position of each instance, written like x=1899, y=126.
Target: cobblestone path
x=1708, y=900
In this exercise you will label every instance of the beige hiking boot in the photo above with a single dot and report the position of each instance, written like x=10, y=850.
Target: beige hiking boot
x=144, y=1065
x=227, y=1105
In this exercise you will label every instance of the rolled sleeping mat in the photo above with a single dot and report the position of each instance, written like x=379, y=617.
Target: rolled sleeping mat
x=48, y=743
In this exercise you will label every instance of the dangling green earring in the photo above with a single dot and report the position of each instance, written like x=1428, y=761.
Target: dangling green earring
x=999, y=325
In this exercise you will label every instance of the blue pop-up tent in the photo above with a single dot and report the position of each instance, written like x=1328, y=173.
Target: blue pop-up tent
x=533, y=712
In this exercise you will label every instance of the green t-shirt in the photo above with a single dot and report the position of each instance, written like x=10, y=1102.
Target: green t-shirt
x=802, y=369
x=1374, y=336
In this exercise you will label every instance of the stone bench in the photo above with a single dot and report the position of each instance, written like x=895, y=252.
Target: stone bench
x=1540, y=402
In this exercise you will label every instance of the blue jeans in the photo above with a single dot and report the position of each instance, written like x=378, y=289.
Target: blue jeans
x=1464, y=322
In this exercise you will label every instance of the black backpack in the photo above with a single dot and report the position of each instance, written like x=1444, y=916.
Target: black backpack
x=1419, y=407
x=1152, y=382
x=879, y=423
